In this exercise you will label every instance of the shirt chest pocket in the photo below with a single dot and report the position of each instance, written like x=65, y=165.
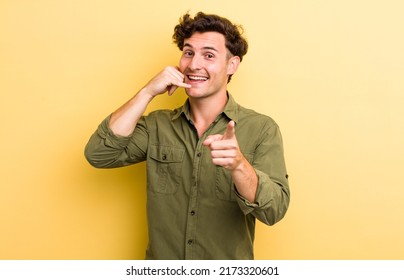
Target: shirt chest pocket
x=164, y=168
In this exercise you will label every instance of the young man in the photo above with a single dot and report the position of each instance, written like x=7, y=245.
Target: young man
x=213, y=167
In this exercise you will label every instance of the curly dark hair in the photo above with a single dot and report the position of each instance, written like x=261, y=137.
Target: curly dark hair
x=235, y=42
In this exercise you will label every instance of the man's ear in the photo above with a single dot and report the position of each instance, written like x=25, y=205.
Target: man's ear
x=232, y=65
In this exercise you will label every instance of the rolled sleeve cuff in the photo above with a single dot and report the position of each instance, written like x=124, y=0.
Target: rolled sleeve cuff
x=262, y=196
x=110, y=139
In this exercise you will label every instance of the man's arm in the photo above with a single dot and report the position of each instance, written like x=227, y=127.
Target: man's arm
x=226, y=152
x=107, y=146
x=123, y=121
x=262, y=187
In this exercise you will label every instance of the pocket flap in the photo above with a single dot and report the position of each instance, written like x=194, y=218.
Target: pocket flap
x=166, y=153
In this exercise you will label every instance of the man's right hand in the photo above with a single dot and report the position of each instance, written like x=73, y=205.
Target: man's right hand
x=169, y=79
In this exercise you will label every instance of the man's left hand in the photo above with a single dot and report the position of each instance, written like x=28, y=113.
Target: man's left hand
x=224, y=148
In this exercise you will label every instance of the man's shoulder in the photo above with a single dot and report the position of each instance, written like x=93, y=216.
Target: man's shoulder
x=163, y=113
x=251, y=116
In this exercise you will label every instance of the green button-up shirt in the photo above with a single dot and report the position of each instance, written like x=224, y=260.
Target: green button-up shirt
x=193, y=208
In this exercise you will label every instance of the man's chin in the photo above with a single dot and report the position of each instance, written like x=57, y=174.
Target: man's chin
x=192, y=92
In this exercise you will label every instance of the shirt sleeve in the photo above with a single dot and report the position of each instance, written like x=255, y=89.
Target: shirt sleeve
x=273, y=195
x=107, y=150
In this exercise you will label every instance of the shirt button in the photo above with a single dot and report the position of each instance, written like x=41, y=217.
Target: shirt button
x=199, y=154
x=164, y=157
x=192, y=213
x=190, y=241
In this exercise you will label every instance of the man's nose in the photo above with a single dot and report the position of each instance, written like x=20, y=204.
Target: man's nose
x=195, y=63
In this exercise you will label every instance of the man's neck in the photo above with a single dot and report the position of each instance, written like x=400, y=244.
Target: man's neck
x=205, y=110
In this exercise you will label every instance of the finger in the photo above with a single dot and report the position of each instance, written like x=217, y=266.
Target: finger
x=227, y=144
x=180, y=77
x=178, y=80
x=175, y=79
x=212, y=138
x=175, y=72
x=218, y=154
x=171, y=88
x=183, y=85
x=230, y=131
x=221, y=162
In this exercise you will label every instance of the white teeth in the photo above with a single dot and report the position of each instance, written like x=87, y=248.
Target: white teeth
x=197, y=78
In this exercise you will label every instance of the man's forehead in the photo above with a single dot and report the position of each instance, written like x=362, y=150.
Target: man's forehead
x=206, y=40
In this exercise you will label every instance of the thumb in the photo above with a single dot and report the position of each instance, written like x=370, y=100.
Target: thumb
x=230, y=131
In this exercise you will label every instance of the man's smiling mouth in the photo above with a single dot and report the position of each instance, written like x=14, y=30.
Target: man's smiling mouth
x=197, y=78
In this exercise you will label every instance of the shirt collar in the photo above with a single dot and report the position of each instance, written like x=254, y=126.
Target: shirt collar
x=230, y=110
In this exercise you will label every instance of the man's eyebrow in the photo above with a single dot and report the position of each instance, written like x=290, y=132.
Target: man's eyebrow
x=204, y=48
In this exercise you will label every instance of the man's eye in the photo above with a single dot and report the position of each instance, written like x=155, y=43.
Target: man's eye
x=210, y=56
x=188, y=53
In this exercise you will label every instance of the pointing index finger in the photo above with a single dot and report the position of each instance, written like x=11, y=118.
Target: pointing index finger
x=230, y=130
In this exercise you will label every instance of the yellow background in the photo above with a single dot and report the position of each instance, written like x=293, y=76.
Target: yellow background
x=331, y=73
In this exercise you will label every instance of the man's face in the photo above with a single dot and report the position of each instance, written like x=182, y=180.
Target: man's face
x=206, y=64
